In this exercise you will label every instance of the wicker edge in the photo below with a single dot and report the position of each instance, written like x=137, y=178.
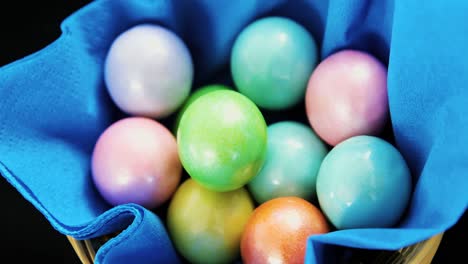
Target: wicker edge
x=428, y=250
x=83, y=252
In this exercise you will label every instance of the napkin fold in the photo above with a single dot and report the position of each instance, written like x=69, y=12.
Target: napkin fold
x=54, y=105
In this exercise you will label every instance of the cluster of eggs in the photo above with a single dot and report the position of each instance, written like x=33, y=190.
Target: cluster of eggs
x=254, y=188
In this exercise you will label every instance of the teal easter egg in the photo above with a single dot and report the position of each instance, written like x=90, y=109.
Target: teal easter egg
x=294, y=156
x=363, y=182
x=272, y=60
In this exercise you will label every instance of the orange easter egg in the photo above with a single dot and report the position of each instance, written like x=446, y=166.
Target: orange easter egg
x=278, y=229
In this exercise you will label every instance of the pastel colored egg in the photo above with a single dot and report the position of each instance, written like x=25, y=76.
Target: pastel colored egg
x=271, y=61
x=148, y=71
x=206, y=226
x=135, y=160
x=364, y=182
x=278, y=230
x=294, y=155
x=347, y=96
x=222, y=140
x=194, y=96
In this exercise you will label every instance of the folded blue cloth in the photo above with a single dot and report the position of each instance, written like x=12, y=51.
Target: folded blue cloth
x=53, y=106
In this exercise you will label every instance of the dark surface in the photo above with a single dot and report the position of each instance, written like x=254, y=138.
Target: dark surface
x=26, y=234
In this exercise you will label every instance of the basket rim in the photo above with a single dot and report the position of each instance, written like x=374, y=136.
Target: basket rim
x=419, y=253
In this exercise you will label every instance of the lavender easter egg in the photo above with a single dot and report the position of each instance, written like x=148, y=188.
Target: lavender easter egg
x=148, y=71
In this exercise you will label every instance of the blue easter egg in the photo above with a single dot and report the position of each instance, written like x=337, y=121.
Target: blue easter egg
x=363, y=182
x=294, y=155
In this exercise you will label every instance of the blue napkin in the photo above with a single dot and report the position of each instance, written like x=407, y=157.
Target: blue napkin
x=53, y=106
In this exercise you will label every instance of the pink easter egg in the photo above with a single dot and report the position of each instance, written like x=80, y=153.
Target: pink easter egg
x=135, y=160
x=347, y=96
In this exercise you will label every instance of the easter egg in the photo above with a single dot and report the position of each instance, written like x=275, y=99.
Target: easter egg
x=222, y=140
x=271, y=61
x=194, y=96
x=135, y=160
x=206, y=226
x=347, y=96
x=364, y=182
x=278, y=230
x=148, y=71
x=294, y=155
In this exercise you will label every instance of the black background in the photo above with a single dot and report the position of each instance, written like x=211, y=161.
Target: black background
x=28, y=26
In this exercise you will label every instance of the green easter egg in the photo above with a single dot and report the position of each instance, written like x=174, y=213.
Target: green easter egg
x=194, y=96
x=222, y=139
